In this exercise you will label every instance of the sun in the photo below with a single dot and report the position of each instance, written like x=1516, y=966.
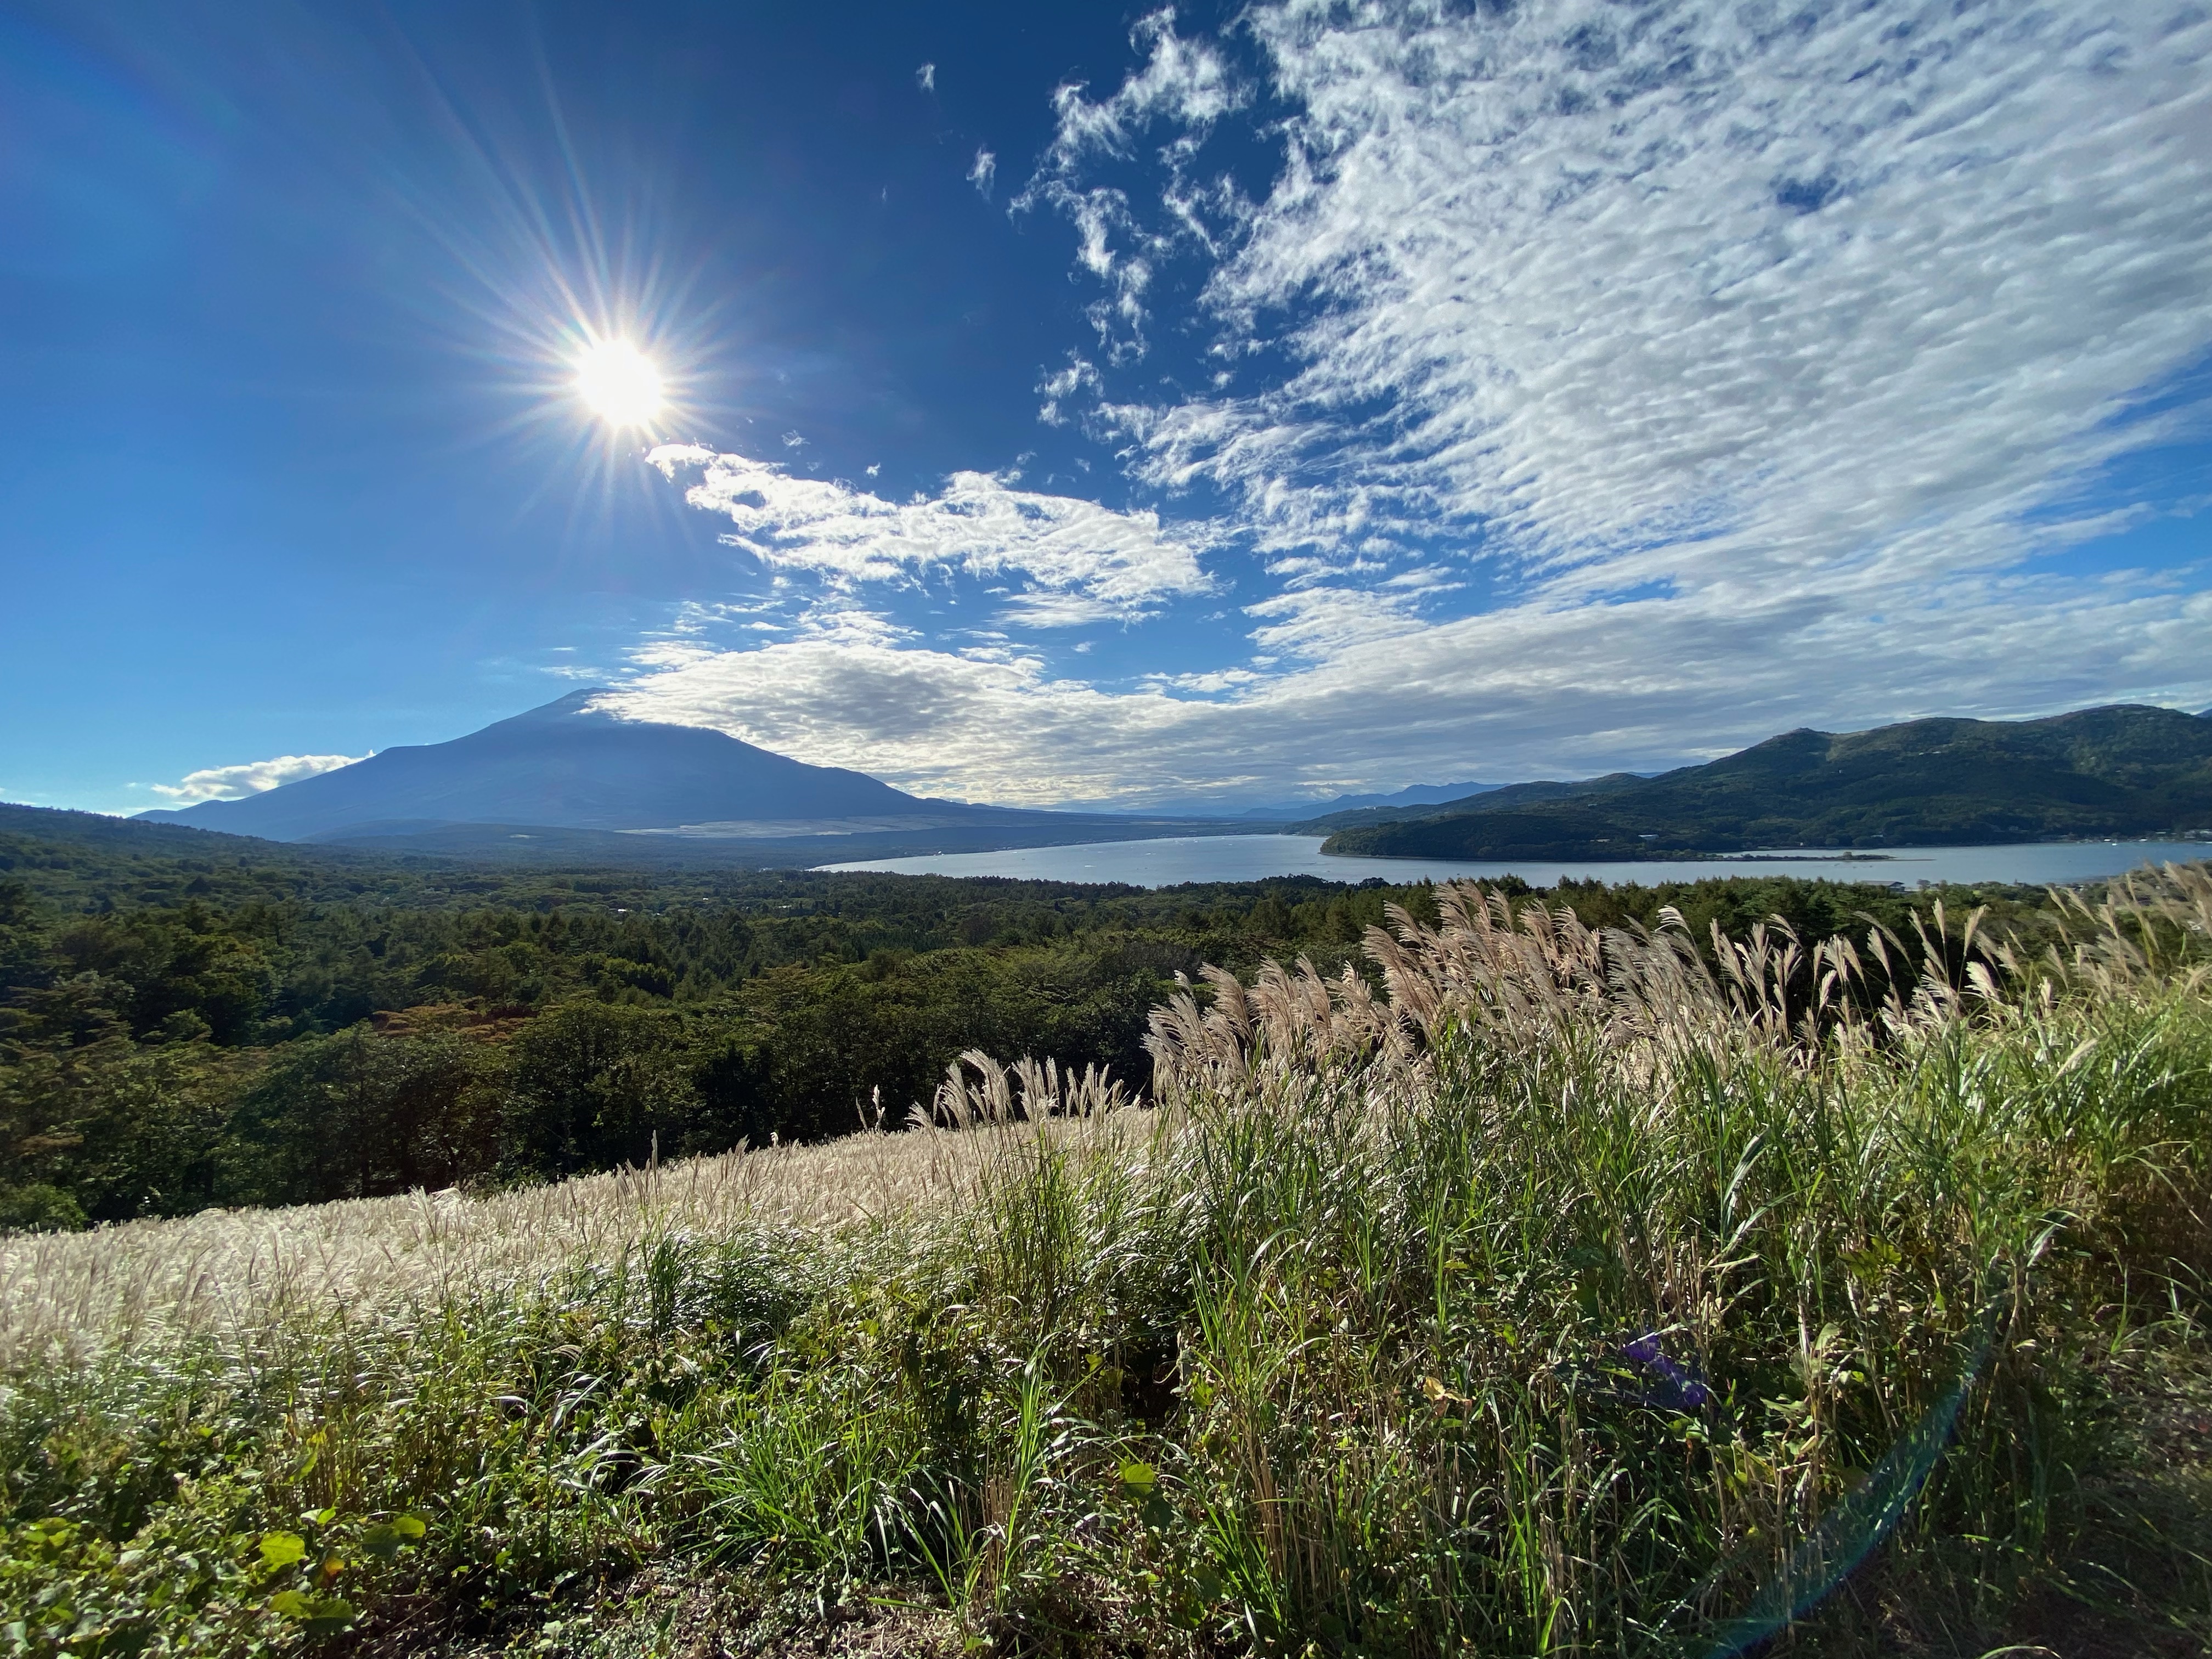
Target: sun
x=620, y=384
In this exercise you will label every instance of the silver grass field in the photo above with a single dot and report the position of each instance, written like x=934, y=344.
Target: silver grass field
x=1541, y=1290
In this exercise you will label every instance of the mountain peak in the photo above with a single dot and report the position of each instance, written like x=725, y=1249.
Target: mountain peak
x=573, y=700
x=576, y=702
x=544, y=766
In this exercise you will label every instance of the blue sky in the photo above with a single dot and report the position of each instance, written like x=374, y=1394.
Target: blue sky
x=1075, y=405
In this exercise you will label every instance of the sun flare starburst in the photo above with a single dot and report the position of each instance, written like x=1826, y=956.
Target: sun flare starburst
x=620, y=384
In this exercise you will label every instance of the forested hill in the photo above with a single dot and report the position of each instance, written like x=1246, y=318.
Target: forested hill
x=2124, y=770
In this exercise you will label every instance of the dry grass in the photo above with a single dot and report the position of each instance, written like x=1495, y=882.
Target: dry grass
x=233, y=1272
x=1527, y=979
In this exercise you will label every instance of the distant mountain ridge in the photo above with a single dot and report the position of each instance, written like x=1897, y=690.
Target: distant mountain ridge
x=2121, y=770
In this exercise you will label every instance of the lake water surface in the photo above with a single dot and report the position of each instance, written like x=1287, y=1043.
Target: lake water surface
x=1167, y=863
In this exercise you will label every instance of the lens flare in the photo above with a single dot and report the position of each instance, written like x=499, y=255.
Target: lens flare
x=620, y=384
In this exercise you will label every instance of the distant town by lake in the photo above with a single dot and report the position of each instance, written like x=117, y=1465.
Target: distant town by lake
x=1173, y=860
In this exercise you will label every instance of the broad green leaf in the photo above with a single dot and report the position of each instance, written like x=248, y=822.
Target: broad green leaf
x=330, y=1614
x=320, y=1614
x=388, y=1538
x=281, y=1549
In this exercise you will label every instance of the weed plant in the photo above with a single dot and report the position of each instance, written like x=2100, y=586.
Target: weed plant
x=1561, y=1296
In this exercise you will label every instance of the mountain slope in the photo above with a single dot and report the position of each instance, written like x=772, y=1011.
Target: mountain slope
x=1413, y=795
x=566, y=765
x=1490, y=795
x=2123, y=770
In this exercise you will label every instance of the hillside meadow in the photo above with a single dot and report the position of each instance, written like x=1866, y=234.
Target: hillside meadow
x=1544, y=1288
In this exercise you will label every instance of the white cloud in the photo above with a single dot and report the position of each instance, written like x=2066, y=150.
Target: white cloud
x=1750, y=364
x=1712, y=294
x=926, y=77
x=1077, y=556
x=252, y=778
x=1320, y=623
x=983, y=172
x=1528, y=691
x=1184, y=82
x=1220, y=679
x=1050, y=609
x=1058, y=387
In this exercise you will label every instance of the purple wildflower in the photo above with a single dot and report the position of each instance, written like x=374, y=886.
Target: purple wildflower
x=1682, y=1390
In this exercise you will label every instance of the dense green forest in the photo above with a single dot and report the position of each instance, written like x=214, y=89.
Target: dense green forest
x=2116, y=771
x=189, y=1019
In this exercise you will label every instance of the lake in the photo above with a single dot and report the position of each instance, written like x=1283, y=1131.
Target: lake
x=1168, y=862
